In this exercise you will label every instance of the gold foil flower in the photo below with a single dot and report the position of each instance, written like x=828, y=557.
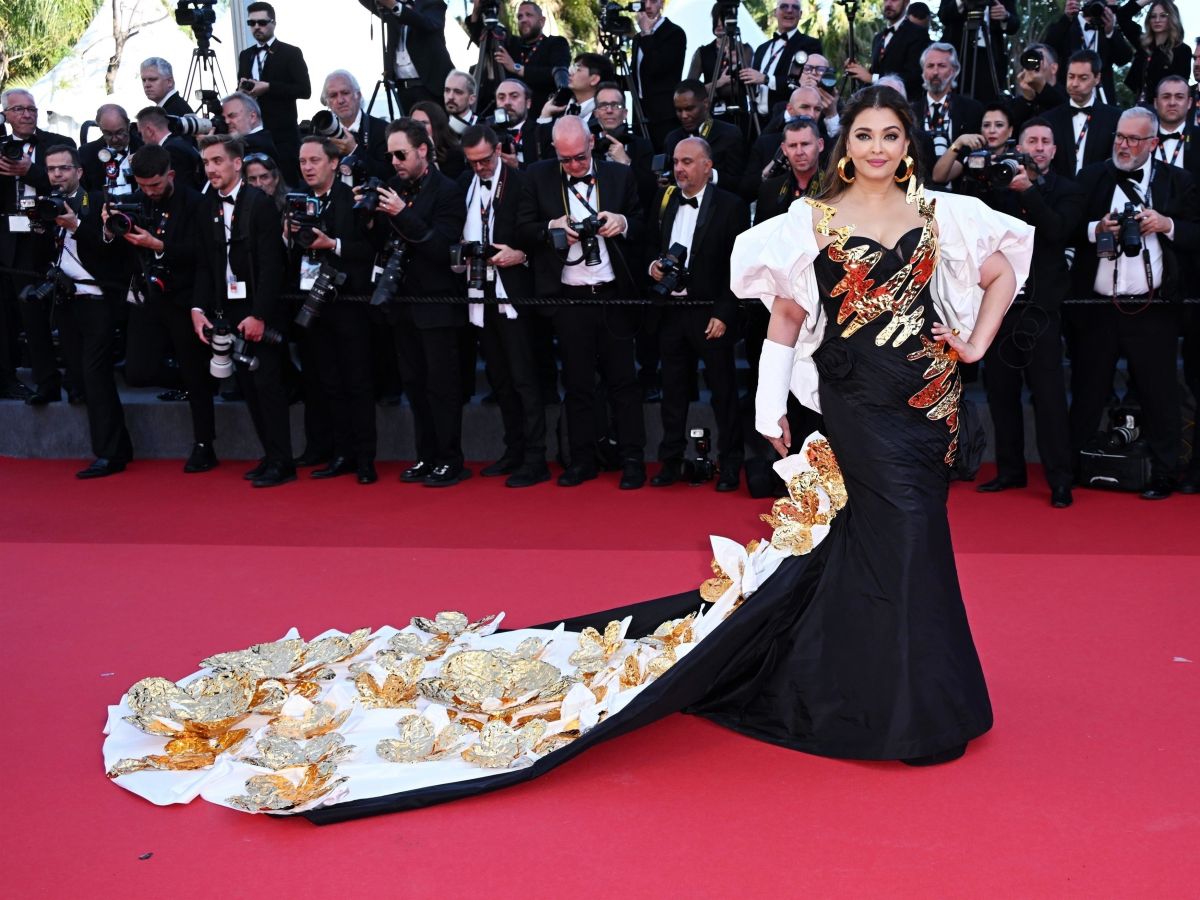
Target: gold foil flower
x=293, y=660
x=182, y=754
x=399, y=688
x=278, y=793
x=453, y=624
x=494, y=682
x=596, y=649
x=206, y=707
x=406, y=644
x=422, y=740
x=500, y=745
x=277, y=752
x=631, y=672
x=316, y=720
x=671, y=633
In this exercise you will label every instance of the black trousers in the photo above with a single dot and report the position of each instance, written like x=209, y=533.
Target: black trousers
x=1191, y=376
x=430, y=370
x=512, y=373
x=343, y=362
x=154, y=327
x=16, y=251
x=682, y=342
x=319, y=439
x=1028, y=351
x=599, y=340
x=266, y=397
x=1149, y=340
x=85, y=324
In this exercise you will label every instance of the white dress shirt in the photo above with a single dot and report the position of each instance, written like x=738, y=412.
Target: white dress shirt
x=683, y=229
x=583, y=274
x=770, y=60
x=480, y=200
x=73, y=268
x=405, y=68
x=260, y=58
x=1131, y=271
x=1079, y=121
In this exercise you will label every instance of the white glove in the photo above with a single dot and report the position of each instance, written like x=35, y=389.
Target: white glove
x=774, y=382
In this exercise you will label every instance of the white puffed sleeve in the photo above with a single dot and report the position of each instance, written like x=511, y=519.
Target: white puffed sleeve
x=969, y=231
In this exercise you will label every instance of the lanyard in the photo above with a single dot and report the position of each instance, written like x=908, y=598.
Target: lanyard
x=935, y=121
x=1082, y=133
x=527, y=50
x=1179, y=142
x=775, y=53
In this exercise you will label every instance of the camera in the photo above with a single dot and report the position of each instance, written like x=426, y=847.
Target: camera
x=827, y=80
x=471, y=257
x=208, y=102
x=974, y=11
x=1127, y=240
x=12, y=149
x=246, y=85
x=57, y=286
x=388, y=284
x=563, y=94
x=198, y=15
x=779, y=164
x=1031, y=60
x=1123, y=432
x=323, y=290
x=600, y=139
x=243, y=350
x=153, y=283
x=186, y=126
x=997, y=171
x=325, y=124
x=674, y=271
x=220, y=339
x=303, y=210
x=727, y=11
x=501, y=125
x=369, y=201
x=612, y=22
x=124, y=217
x=44, y=209
x=1093, y=11
x=489, y=13
x=589, y=240
x=699, y=468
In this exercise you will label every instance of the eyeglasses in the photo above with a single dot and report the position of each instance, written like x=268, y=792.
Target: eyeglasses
x=22, y=110
x=1131, y=139
x=816, y=70
x=258, y=23
x=399, y=155
x=577, y=158
x=789, y=7
x=611, y=104
x=53, y=169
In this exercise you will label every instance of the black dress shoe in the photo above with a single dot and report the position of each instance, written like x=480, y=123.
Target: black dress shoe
x=505, y=465
x=446, y=475
x=729, y=479
x=1160, y=488
x=257, y=471
x=101, y=468
x=274, y=475
x=998, y=484
x=15, y=390
x=528, y=476
x=174, y=395
x=416, y=472
x=310, y=458
x=42, y=397
x=573, y=476
x=338, y=466
x=633, y=475
x=366, y=473
x=1060, y=497
x=201, y=459
x=671, y=471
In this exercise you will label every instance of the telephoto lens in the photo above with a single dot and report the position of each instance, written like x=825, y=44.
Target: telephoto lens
x=220, y=339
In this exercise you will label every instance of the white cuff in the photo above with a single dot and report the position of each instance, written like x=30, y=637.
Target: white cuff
x=774, y=382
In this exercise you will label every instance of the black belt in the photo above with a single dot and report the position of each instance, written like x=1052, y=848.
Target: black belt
x=589, y=290
x=403, y=83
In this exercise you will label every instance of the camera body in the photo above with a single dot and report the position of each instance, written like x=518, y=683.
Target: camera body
x=1127, y=240
x=43, y=210
x=699, y=467
x=500, y=124
x=325, y=124
x=369, y=201
x=727, y=10
x=12, y=148
x=472, y=257
x=243, y=350
x=673, y=264
x=997, y=170
x=303, y=210
x=124, y=217
x=613, y=22
x=589, y=239
x=56, y=287
x=779, y=164
x=601, y=141
x=323, y=290
x=198, y=15
x=387, y=286
x=1093, y=11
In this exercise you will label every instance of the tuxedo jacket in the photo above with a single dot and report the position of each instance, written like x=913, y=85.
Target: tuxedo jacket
x=1097, y=143
x=1173, y=193
x=426, y=22
x=372, y=147
x=543, y=198
x=527, y=136
x=728, y=146
x=722, y=216
x=179, y=237
x=110, y=270
x=1047, y=99
x=1065, y=37
x=175, y=105
x=1189, y=156
x=903, y=55
x=539, y=60
x=93, y=169
x=797, y=42
x=953, y=26
x=657, y=64
x=518, y=280
x=340, y=222
x=966, y=113
x=36, y=177
x=429, y=224
x=287, y=73
x=255, y=253
x=185, y=160
x=261, y=142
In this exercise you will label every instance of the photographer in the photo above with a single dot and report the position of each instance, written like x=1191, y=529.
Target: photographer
x=330, y=254
x=244, y=118
x=818, y=74
x=458, y=99
x=424, y=211
x=530, y=54
x=805, y=102
x=1160, y=50
x=995, y=130
x=1027, y=350
x=575, y=211
x=715, y=63
x=1083, y=127
x=276, y=76
x=802, y=149
x=513, y=126
x=1091, y=25
x=1150, y=210
x=726, y=143
x=416, y=47
x=584, y=77
x=1037, y=88
x=1178, y=142
x=158, y=84
x=159, y=238
x=22, y=178
x=773, y=58
x=496, y=271
x=104, y=159
x=896, y=50
x=659, y=52
x=154, y=127
x=240, y=265
x=363, y=149
x=84, y=291
x=980, y=28
x=704, y=220
x=942, y=112
x=616, y=142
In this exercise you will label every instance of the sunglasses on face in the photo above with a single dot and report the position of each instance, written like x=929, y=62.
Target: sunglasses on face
x=399, y=155
x=577, y=158
x=258, y=23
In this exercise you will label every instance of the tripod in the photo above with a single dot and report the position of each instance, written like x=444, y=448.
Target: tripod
x=614, y=47
x=386, y=82
x=729, y=55
x=204, y=65
x=970, y=39
x=850, y=7
x=487, y=70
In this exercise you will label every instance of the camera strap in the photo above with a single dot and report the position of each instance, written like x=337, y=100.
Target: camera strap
x=1135, y=197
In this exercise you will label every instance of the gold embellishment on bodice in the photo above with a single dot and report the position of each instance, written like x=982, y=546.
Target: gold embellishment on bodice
x=865, y=302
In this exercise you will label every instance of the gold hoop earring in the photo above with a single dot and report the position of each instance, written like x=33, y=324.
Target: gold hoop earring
x=841, y=169
x=908, y=170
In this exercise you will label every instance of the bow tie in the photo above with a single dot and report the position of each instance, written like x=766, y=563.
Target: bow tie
x=693, y=202
x=1081, y=110
x=573, y=108
x=891, y=29
x=582, y=179
x=780, y=37
x=1132, y=175
x=1173, y=136
x=229, y=199
x=486, y=182
x=262, y=47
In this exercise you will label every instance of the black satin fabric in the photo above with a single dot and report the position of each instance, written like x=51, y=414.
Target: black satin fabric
x=858, y=650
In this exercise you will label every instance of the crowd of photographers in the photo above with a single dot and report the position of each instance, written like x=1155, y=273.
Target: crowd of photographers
x=509, y=212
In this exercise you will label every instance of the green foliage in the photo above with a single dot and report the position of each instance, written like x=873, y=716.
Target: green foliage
x=36, y=34
x=577, y=22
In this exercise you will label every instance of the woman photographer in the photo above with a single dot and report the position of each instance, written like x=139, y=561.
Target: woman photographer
x=263, y=173
x=448, y=154
x=996, y=129
x=1161, y=50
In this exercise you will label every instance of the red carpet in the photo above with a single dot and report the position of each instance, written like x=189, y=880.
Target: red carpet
x=1087, y=621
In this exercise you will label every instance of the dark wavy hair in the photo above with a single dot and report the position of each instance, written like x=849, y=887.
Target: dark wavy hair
x=871, y=97
x=444, y=137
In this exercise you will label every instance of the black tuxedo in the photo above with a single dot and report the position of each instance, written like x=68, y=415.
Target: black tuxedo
x=1066, y=37
x=641, y=159
x=902, y=56
x=966, y=114
x=1047, y=99
x=256, y=256
x=777, y=88
x=185, y=160
x=1097, y=143
x=538, y=60
x=974, y=79
x=285, y=70
x=175, y=105
x=94, y=176
x=1149, y=338
x=1189, y=156
x=720, y=218
x=263, y=142
x=372, y=147
x=524, y=138
x=657, y=65
x=426, y=43
x=728, y=146
x=518, y=280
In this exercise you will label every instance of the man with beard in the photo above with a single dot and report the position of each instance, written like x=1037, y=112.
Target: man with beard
x=940, y=111
x=458, y=99
x=105, y=160
x=364, y=149
x=896, y=50
x=530, y=54
x=511, y=123
x=1146, y=333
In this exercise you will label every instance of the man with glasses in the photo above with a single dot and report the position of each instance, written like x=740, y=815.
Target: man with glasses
x=1084, y=126
x=624, y=146
x=416, y=47
x=531, y=55
x=276, y=76
x=425, y=210
x=772, y=59
x=23, y=177
x=158, y=84
x=659, y=52
x=1144, y=332
x=895, y=50
x=105, y=160
x=560, y=194
x=364, y=149
x=726, y=144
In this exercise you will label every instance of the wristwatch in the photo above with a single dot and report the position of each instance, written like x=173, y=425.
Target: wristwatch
x=518, y=68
